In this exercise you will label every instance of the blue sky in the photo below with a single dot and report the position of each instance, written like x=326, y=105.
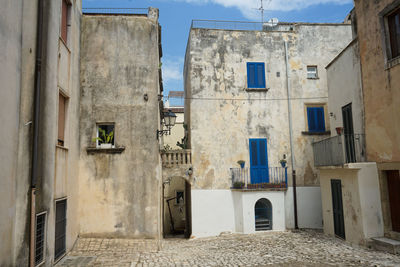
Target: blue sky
x=176, y=16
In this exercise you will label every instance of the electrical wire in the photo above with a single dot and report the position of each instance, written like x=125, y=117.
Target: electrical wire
x=252, y=99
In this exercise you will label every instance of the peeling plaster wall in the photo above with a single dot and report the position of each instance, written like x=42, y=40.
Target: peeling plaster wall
x=215, y=69
x=223, y=115
x=380, y=84
x=120, y=193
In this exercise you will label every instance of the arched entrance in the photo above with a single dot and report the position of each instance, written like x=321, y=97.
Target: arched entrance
x=263, y=215
x=176, y=207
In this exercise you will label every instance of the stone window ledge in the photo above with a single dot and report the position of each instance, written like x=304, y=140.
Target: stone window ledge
x=392, y=62
x=316, y=133
x=256, y=89
x=113, y=150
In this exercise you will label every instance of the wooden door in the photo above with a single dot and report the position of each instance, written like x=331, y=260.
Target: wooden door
x=258, y=161
x=348, y=132
x=337, y=207
x=393, y=179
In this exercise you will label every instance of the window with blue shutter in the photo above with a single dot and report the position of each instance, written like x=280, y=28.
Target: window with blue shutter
x=258, y=161
x=316, y=119
x=255, y=75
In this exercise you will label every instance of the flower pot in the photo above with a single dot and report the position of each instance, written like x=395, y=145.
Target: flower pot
x=105, y=145
x=283, y=164
x=242, y=165
x=339, y=130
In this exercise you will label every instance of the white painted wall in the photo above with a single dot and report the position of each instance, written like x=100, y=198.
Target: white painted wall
x=216, y=211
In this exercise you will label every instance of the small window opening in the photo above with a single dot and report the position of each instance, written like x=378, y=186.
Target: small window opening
x=40, y=238
x=180, y=197
x=60, y=229
x=394, y=32
x=62, y=107
x=65, y=16
x=312, y=72
x=105, y=135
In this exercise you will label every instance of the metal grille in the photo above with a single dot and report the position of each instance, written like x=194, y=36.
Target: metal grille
x=61, y=223
x=39, y=238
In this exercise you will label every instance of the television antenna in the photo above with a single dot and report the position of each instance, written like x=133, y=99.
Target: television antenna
x=261, y=9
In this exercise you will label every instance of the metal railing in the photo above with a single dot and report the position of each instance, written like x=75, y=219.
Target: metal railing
x=173, y=158
x=240, y=25
x=340, y=149
x=241, y=178
x=110, y=10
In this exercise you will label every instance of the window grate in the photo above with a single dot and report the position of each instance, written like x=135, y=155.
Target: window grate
x=60, y=229
x=39, y=238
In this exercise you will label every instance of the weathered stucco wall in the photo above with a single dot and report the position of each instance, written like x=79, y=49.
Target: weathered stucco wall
x=361, y=201
x=344, y=86
x=381, y=84
x=223, y=115
x=120, y=193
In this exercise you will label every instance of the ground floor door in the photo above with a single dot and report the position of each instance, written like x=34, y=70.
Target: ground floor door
x=393, y=179
x=337, y=207
x=258, y=161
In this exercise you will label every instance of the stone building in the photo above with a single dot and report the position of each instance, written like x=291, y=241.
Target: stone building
x=257, y=95
x=58, y=179
x=361, y=174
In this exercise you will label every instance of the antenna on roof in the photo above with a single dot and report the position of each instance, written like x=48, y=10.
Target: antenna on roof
x=261, y=8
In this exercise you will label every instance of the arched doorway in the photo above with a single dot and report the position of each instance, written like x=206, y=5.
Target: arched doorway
x=176, y=207
x=263, y=215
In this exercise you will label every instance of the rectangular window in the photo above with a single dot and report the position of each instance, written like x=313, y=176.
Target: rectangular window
x=40, y=238
x=393, y=21
x=64, y=20
x=105, y=135
x=255, y=75
x=62, y=100
x=316, y=119
x=312, y=72
x=60, y=229
x=180, y=197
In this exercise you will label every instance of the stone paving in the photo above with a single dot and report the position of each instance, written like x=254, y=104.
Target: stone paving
x=300, y=248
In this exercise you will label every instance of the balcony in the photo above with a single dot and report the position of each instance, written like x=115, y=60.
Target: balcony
x=276, y=179
x=339, y=150
x=175, y=158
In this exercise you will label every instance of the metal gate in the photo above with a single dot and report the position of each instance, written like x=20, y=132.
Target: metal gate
x=60, y=228
x=337, y=206
x=348, y=133
x=393, y=179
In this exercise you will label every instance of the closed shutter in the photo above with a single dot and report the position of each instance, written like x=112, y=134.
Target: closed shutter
x=61, y=119
x=64, y=20
x=260, y=75
x=251, y=75
x=258, y=161
x=316, y=119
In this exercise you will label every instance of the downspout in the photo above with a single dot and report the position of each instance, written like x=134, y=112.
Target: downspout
x=35, y=141
x=291, y=136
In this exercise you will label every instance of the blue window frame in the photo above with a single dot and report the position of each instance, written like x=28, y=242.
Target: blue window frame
x=258, y=161
x=316, y=119
x=255, y=75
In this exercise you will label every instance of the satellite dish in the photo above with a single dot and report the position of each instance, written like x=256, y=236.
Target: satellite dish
x=273, y=22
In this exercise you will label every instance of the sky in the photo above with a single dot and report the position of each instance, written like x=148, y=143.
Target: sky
x=175, y=17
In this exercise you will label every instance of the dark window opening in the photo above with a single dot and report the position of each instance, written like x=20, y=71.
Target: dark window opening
x=394, y=33
x=39, y=238
x=105, y=135
x=60, y=229
x=62, y=100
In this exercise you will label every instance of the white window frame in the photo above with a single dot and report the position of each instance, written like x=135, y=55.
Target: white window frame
x=312, y=74
x=97, y=133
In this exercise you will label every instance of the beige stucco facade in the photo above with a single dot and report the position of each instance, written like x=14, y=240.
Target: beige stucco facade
x=120, y=188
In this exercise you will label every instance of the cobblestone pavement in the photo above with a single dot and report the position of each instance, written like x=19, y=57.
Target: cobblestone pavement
x=301, y=248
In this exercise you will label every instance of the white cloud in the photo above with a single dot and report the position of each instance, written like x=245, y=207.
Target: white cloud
x=248, y=7
x=172, y=68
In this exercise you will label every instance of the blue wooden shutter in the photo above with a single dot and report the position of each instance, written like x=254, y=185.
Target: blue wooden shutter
x=316, y=119
x=258, y=161
x=251, y=75
x=260, y=75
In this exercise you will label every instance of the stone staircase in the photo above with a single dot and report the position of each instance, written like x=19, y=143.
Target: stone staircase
x=386, y=244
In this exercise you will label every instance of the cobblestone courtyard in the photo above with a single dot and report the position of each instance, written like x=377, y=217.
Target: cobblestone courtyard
x=302, y=248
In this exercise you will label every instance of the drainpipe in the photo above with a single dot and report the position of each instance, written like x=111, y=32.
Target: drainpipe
x=35, y=141
x=291, y=136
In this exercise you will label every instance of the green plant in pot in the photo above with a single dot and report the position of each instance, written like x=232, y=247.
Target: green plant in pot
x=283, y=161
x=241, y=163
x=105, y=139
x=238, y=185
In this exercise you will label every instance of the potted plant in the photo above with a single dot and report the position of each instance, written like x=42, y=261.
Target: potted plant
x=241, y=163
x=283, y=161
x=238, y=185
x=105, y=139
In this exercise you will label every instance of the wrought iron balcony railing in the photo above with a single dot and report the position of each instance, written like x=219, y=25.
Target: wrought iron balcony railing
x=340, y=149
x=276, y=178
